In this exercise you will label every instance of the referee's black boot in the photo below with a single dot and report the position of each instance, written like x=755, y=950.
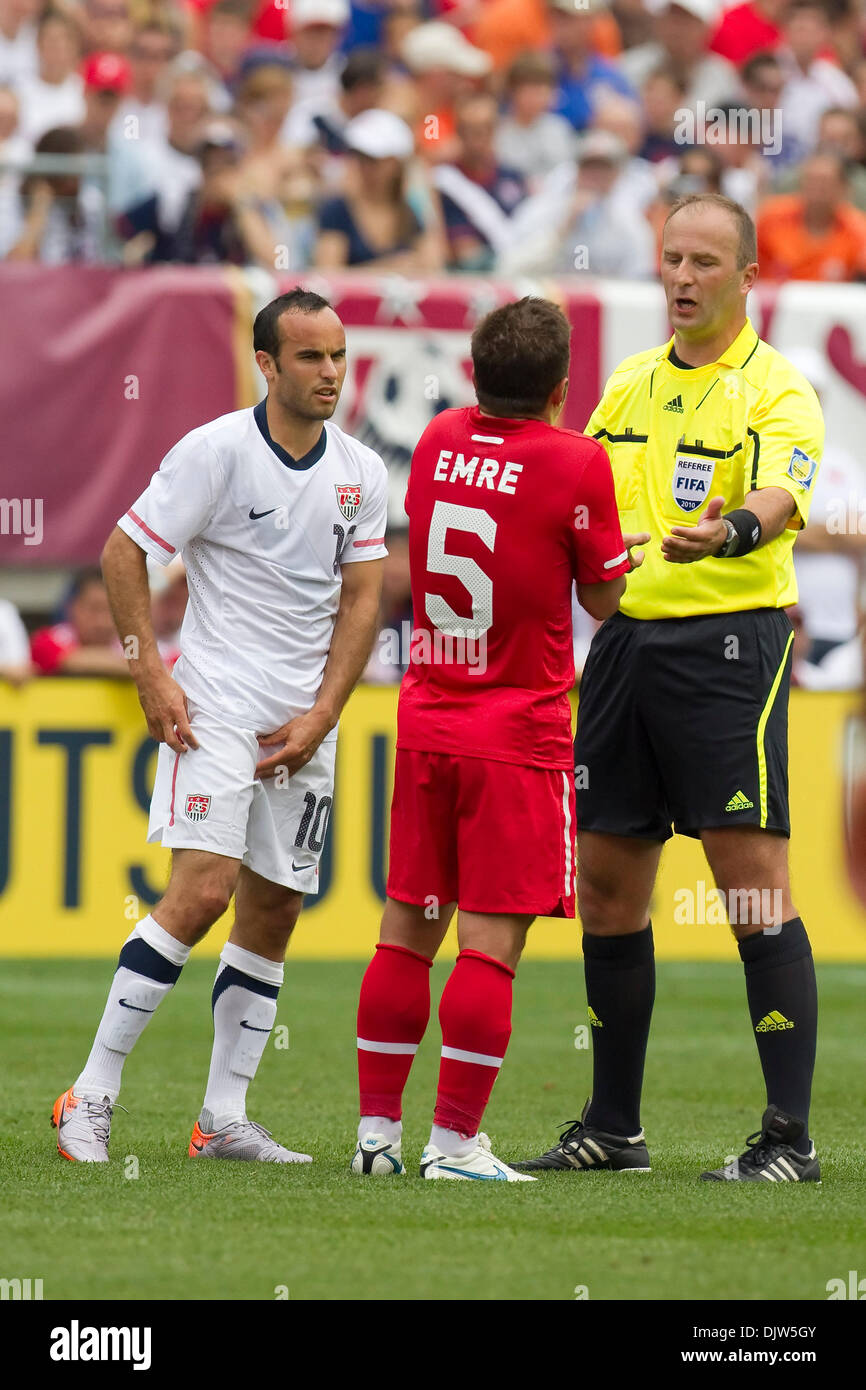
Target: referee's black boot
x=770, y=1154
x=582, y=1146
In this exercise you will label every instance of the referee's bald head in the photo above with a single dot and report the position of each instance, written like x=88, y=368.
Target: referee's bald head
x=747, y=240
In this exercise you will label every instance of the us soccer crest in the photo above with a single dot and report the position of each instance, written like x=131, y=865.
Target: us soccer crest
x=348, y=498
x=692, y=481
x=197, y=807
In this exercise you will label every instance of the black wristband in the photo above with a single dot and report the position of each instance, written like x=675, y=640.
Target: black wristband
x=748, y=533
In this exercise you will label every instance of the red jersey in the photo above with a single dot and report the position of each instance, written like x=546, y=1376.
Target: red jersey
x=503, y=516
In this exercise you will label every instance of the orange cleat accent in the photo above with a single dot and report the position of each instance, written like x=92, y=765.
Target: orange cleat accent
x=70, y=1101
x=57, y=1113
x=198, y=1140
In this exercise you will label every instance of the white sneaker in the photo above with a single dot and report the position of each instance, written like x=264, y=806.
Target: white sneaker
x=480, y=1163
x=378, y=1156
x=83, y=1125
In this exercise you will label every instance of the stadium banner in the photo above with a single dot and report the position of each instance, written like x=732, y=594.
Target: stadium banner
x=101, y=372
x=76, y=769
x=129, y=361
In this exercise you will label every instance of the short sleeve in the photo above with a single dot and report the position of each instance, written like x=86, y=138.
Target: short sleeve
x=788, y=440
x=178, y=502
x=596, y=536
x=367, y=540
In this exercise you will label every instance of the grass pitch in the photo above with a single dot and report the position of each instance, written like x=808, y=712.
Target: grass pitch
x=156, y=1225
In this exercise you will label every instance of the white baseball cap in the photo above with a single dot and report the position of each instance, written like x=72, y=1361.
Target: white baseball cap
x=439, y=45
x=335, y=13
x=380, y=135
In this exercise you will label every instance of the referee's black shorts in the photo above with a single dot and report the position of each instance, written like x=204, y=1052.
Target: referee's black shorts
x=684, y=721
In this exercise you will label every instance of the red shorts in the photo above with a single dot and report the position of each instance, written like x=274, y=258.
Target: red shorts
x=490, y=836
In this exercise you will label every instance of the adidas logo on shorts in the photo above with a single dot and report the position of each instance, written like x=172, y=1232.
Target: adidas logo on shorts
x=740, y=802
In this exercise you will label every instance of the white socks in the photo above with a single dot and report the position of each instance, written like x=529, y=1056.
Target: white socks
x=391, y=1130
x=449, y=1142
x=244, y=1009
x=150, y=962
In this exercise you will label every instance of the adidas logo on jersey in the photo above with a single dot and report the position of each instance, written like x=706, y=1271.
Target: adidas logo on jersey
x=740, y=802
x=594, y=1018
x=676, y=405
x=773, y=1022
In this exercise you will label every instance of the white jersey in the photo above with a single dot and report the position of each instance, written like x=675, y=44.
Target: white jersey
x=263, y=538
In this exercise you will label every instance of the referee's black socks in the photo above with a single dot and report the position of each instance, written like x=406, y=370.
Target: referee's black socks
x=783, y=1004
x=620, y=990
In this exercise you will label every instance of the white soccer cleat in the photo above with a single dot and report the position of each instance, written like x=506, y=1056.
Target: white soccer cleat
x=83, y=1126
x=244, y=1141
x=377, y=1156
x=480, y=1163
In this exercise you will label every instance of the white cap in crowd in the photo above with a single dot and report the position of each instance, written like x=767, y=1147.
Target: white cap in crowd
x=380, y=135
x=440, y=45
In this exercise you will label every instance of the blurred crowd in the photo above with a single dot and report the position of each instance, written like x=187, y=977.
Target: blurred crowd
x=518, y=136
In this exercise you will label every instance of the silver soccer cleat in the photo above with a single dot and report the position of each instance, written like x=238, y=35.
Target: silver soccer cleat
x=83, y=1126
x=243, y=1140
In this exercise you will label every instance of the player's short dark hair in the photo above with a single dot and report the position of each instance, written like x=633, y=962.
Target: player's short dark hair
x=266, y=332
x=520, y=353
x=747, y=239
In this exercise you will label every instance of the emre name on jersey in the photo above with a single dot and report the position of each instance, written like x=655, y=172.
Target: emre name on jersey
x=463, y=469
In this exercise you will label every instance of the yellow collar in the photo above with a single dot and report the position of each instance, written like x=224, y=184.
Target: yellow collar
x=736, y=354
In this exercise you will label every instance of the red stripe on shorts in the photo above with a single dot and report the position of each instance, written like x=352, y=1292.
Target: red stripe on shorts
x=173, y=783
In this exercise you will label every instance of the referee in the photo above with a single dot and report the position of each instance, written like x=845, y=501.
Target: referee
x=714, y=440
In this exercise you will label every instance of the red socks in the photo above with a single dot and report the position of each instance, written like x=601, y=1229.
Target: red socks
x=393, y=1012
x=475, y=1014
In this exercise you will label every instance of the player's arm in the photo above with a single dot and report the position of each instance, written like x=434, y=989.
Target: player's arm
x=601, y=600
x=124, y=569
x=351, y=643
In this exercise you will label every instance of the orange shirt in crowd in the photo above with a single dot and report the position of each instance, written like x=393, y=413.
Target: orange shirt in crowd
x=506, y=28
x=787, y=250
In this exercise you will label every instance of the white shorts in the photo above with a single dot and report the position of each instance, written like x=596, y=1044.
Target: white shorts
x=210, y=798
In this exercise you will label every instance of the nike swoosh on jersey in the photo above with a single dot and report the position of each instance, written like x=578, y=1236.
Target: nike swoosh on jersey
x=257, y=516
x=252, y=1027
x=298, y=868
x=123, y=1004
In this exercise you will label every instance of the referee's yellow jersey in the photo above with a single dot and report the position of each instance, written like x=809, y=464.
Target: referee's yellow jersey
x=678, y=436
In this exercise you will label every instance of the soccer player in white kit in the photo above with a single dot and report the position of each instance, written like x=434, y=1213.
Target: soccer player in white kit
x=274, y=512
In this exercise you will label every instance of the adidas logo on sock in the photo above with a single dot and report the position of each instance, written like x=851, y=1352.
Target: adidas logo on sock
x=594, y=1018
x=676, y=405
x=773, y=1022
x=740, y=802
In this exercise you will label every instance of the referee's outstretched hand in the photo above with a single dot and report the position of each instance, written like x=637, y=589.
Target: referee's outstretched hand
x=686, y=544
